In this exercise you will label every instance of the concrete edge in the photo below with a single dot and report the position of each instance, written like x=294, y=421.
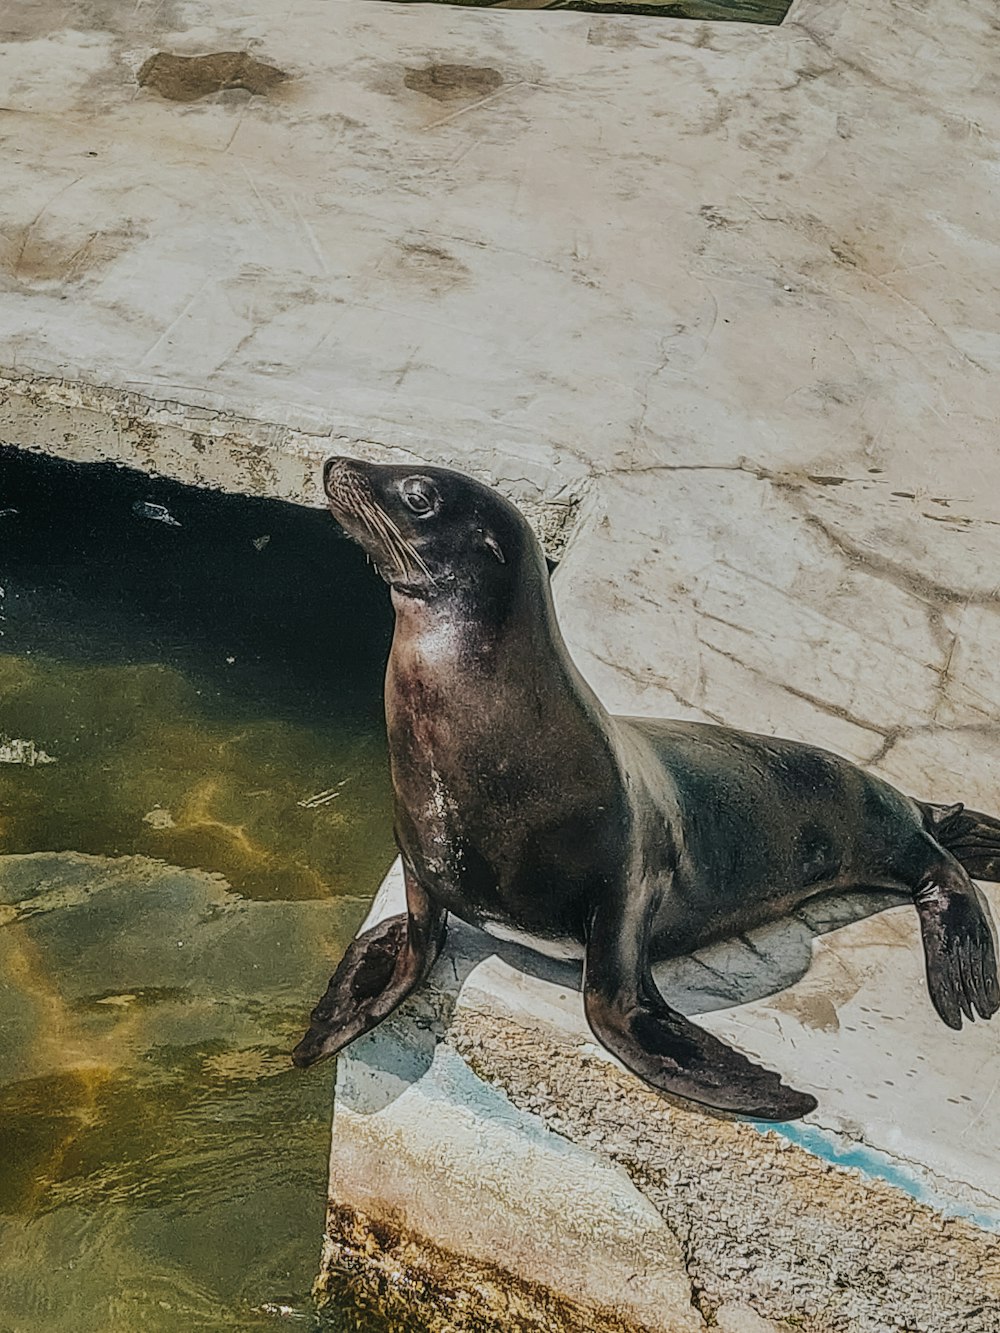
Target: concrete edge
x=221, y=450
x=768, y=1234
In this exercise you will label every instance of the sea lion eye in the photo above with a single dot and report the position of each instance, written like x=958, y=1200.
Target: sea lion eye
x=418, y=496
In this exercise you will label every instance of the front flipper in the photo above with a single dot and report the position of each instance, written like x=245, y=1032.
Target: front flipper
x=378, y=971
x=958, y=948
x=631, y=1019
x=674, y=1055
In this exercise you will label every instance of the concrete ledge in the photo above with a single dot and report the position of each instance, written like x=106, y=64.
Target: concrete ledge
x=482, y=1122
x=84, y=423
x=395, y=1272
x=745, y=1220
x=531, y=1203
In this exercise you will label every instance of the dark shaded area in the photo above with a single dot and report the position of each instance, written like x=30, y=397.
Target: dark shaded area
x=736, y=11
x=205, y=670
x=107, y=565
x=186, y=78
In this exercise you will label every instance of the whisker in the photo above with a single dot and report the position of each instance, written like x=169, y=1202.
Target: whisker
x=408, y=546
x=361, y=503
x=394, y=540
x=373, y=518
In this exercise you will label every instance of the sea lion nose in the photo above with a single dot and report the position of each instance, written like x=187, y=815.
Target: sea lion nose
x=343, y=477
x=334, y=473
x=347, y=481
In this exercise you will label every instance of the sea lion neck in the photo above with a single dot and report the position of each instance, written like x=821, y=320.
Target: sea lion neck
x=459, y=629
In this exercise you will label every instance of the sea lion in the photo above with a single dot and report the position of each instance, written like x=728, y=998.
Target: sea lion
x=524, y=808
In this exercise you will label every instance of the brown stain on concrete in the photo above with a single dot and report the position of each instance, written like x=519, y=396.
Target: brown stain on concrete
x=187, y=78
x=454, y=83
x=813, y=1011
x=429, y=267
x=393, y=1274
x=32, y=256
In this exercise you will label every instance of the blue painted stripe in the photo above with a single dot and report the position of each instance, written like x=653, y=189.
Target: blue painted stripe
x=838, y=1151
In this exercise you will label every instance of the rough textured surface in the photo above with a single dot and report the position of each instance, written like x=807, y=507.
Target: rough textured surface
x=548, y=1206
x=822, y=1233
x=766, y=1228
x=396, y=1272
x=726, y=297
x=762, y=1223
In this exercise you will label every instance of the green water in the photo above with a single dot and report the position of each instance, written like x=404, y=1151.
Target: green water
x=174, y=891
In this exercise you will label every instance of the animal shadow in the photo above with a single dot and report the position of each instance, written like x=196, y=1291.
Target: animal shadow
x=748, y=967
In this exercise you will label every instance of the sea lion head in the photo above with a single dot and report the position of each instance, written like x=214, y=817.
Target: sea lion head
x=433, y=533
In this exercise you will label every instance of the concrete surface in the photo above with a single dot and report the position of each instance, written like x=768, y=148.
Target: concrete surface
x=718, y=304
x=777, y=1230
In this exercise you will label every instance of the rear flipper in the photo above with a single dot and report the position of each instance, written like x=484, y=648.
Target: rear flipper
x=972, y=838
x=958, y=947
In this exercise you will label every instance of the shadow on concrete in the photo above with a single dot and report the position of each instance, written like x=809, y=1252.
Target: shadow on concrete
x=748, y=967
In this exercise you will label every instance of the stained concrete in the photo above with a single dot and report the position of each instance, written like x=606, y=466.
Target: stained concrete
x=718, y=305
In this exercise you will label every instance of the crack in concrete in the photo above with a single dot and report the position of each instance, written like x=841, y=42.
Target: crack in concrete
x=921, y=586
x=988, y=730
x=820, y=704
x=654, y=373
x=650, y=677
x=752, y=470
x=892, y=737
x=940, y=630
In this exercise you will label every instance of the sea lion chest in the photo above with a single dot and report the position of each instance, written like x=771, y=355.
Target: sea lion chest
x=507, y=808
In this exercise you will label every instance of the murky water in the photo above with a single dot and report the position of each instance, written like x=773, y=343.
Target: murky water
x=175, y=887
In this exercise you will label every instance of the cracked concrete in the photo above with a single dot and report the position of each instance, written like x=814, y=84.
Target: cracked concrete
x=718, y=307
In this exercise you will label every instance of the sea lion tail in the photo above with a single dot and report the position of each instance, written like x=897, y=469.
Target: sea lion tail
x=972, y=838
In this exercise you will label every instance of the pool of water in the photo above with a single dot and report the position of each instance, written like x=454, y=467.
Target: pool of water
x=194, y=814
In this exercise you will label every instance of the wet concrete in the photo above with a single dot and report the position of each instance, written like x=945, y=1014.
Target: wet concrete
x=186, y=78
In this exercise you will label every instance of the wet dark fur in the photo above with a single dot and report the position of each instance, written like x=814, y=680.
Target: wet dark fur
x=520, y=802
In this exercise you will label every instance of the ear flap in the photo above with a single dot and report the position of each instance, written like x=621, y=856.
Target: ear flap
x=494, y=546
